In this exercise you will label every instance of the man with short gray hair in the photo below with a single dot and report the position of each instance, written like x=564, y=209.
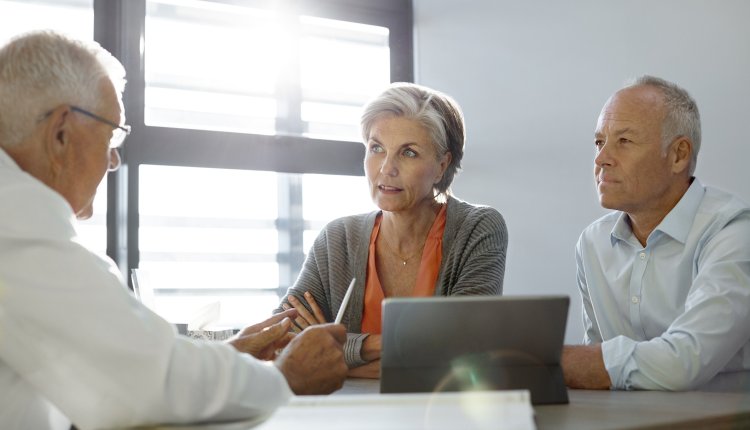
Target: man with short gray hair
x=665, y=278
x=75, y=346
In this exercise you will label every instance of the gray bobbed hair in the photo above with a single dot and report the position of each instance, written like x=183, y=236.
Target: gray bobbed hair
x=438, y=113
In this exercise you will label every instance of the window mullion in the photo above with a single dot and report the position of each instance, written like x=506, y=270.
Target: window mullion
x=290, y=226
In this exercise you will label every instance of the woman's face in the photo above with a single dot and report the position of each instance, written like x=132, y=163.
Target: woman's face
x=401, y=164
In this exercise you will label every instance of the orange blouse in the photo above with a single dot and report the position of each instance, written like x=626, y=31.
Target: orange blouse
x=427, y=275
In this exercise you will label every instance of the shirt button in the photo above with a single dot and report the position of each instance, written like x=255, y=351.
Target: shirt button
x=642, y=255
x=635, y=300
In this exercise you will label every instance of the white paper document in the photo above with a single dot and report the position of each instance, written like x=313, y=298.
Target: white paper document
x=478, y=410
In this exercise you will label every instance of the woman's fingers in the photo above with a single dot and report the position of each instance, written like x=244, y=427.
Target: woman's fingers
x=315, y=308
x=305, y=318
x=298, y=323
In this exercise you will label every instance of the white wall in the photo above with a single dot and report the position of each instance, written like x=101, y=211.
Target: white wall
x=532, y=76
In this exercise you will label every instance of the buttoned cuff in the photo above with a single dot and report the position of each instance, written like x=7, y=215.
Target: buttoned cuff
x=618, y=360
x=353, y=349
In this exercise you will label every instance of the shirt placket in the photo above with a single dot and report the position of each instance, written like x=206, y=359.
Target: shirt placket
x=636, y=289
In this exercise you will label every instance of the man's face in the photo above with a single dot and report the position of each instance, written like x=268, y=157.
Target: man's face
x=632, y=170
x=89, y=156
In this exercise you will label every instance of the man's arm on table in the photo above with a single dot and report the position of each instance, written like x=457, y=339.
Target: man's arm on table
x=583, y=367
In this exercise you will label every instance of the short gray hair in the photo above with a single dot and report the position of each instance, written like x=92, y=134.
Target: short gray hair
x=682, y=117
x=42, y=70
x=438, y=113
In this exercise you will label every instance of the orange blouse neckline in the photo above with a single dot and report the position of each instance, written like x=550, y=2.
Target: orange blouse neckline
x=429, y=269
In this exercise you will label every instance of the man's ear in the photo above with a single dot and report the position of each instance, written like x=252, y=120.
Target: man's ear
x=57, y=137
x=682, y=153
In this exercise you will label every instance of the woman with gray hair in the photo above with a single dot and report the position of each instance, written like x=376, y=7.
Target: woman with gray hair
x=422, y=241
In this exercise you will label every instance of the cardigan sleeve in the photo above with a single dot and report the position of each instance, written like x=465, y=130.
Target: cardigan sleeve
x=311, y=279
x=326, y=274
x=475, y=264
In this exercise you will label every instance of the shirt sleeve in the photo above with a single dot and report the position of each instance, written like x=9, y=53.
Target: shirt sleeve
x=714, y=326
x=73, y=331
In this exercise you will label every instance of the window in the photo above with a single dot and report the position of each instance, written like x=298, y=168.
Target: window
x=342, y=65
x=213, y=240
x=227, y=67
x=74, y=17
x=246, y=140
x=219, y=237
x=326, y=197
x=245, y=135
x=210, y=66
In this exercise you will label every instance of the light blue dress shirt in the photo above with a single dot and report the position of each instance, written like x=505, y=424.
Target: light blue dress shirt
x=675, y=314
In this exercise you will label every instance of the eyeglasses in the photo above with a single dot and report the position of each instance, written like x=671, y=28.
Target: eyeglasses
x=119, y=132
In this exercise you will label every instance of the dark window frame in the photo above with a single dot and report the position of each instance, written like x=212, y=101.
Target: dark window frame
x=119, y=26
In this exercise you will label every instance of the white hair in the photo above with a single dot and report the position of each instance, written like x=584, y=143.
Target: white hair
x=682, y=117
x=42, y=70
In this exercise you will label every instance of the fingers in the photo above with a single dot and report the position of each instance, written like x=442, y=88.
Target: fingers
x=296, y=327
x=289, y=313
x=272, y=350
x=283, y=341
x=305, y=318
x=276, y=331
x=256, y=343
x=303, y=312
x=319, y=317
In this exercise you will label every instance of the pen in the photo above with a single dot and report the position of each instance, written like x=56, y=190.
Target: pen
x=340, y=314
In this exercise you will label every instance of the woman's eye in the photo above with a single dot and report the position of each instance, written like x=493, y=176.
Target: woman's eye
x=376, y=148
x=410, y=153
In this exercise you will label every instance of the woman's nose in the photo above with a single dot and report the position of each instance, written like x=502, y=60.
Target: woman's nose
x=389, y=166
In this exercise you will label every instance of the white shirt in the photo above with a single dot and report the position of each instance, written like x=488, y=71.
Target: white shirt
x=675, y=314
x=75, y=345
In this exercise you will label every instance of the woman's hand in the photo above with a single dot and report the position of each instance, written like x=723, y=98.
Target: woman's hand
x=371, y=352
x=304, y=318
x=371, y=348
x=370, y=370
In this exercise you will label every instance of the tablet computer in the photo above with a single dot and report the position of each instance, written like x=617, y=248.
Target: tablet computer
x=461, y=343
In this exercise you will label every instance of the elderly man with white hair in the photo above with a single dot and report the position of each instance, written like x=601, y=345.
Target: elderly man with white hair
x=75, y=346
x=665, y=277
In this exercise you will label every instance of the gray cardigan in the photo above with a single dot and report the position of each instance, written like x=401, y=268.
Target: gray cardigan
x=474, y=245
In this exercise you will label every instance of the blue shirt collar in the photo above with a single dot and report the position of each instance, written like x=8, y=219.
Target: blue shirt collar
x=621, y=230
x=676, y=224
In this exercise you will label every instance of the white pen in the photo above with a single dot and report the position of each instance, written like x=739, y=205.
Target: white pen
x=340, y=314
